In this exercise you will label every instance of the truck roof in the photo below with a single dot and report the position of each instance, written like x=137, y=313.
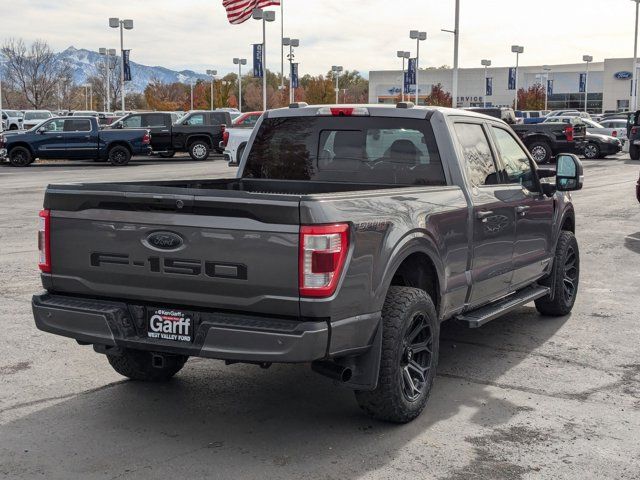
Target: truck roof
x=401, y=110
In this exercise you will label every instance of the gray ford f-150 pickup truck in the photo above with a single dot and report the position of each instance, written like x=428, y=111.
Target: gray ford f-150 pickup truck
x=348, y=236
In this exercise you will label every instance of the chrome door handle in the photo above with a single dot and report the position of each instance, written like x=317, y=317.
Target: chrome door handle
x=522, y=209
x=481, y=215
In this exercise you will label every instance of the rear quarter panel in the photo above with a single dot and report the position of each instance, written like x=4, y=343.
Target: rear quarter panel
x=386, y=227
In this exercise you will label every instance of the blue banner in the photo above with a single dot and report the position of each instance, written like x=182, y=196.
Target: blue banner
x=127, y=65
x=411, y=71
x=489, y=89
x=407, y=83
x=294, y=75
x=549, y=87
x=512, y=78
x=258, y=71
x=583, y=83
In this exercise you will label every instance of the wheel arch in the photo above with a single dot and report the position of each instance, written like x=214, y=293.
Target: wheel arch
x=416, y=263
x=119, y=143
x=21, y=144
x=194, y=138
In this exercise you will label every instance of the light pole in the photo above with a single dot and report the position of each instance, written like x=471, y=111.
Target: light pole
x=418, y=37
x=517, y=49
x=107, y=53
x=456, y=43
x=291, y=43
x=486, y=64
x=88, y=96
x=212, y=74
x=634, y=86
x=265, y=16
x=588, y=59
x=239, y=62
x=191, y=82
x=403, y=55
x=336, y=69
x=115, y=22
x=547, y=69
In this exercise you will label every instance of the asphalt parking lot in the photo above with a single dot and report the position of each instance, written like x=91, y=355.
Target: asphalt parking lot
x=523, y=397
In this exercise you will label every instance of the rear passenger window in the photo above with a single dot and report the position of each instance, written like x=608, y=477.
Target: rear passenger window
x=481, y=169
x=77, y=126
x=153, y=120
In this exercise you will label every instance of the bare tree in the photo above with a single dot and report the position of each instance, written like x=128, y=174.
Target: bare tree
x=32, y=70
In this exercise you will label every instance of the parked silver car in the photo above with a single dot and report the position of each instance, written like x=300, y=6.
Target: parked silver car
x=35, y=117
x=594, y=127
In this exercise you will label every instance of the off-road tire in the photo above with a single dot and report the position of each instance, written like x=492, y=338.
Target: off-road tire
x=20, y=157
x=540, y=151
x=136, y=365
x=199, y=150
x=402, y=308
x=592, y=151
x=634, y=152
x=562, y=304
x=119, y=156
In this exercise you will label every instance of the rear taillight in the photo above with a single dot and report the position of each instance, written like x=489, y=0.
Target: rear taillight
x=2, y=141
x=225, y=137
x=634, y=130
x=44, y=241
x=568, y=132
x=146, y=139
x=323, y=253
x=614, y=133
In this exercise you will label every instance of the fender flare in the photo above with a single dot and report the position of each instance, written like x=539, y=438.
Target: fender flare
x=416, y=241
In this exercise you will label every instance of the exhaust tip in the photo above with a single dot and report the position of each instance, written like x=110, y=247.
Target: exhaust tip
x=332, y=370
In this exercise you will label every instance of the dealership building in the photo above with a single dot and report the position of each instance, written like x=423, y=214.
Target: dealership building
x=609, y=85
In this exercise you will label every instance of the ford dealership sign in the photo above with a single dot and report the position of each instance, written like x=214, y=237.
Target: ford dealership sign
x=623, y=75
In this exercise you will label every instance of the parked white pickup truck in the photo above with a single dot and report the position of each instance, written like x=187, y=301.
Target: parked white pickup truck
x=235, y=139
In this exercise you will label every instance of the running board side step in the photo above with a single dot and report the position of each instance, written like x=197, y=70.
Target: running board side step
x=479, y=317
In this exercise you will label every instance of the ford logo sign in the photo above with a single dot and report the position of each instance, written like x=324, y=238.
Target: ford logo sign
x=164, y=241
x=623, y=75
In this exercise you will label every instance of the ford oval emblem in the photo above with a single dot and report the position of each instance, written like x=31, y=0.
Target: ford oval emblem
x=164, y=241
x=623, y=75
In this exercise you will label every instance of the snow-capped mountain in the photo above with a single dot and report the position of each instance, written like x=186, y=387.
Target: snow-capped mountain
x=85, y=63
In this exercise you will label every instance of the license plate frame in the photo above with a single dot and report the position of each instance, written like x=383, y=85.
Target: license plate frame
x=170, y=325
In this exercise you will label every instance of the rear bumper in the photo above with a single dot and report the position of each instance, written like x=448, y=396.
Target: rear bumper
x=217, y=335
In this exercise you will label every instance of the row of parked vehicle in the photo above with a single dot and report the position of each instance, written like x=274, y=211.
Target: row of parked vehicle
x=82, y=136
x=567, y=131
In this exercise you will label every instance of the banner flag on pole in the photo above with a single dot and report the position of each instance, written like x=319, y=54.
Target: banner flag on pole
x=411, y=71
x=239, y=11
x=583, y=82
x=489, y=89
x=294, y=75
x=257, y=60
x=407, y=83
x=549, y=87
x=512, y=78
x=127, y=65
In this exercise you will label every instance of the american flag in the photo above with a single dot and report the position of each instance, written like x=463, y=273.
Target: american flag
x=239, y=11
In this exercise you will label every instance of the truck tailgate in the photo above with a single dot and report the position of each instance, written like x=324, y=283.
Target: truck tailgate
x=231, y=251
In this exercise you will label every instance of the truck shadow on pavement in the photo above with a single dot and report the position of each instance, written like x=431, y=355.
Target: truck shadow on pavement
x=241, y=422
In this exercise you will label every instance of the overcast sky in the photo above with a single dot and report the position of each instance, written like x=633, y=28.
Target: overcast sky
x=359, y=34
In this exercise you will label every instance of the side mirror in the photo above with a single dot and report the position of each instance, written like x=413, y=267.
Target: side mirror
x=569, y=173
x=186, y=122
x=42, y=130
